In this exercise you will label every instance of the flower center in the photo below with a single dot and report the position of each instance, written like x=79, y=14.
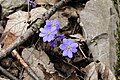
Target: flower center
x=53, y=24
x=48, y=33
x=68, y=47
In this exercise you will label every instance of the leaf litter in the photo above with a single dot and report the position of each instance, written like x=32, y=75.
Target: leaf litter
x=47, y=64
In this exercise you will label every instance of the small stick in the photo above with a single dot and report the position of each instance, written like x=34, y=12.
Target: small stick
x=21, y=73
x=82, y=52
x=28, y=69
x=28, y=9
x=6, y=73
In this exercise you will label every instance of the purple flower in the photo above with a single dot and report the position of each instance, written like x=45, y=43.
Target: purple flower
x=53, y=43
x=69, y=47
x=48, y=33
x=59, y=37
x=53, y=23
x=31, y=2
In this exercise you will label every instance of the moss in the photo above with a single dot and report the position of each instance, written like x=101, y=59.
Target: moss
x=115, y=4
x=117, y=68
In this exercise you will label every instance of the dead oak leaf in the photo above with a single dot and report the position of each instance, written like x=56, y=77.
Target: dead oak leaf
x=8, y=38
x=37, y=13
x=94, y=68
x=35, y=58
x=17, y=23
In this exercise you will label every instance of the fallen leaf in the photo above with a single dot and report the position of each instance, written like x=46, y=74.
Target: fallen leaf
x=106, y=73
x=17, y=23
x=93, y=69
x=35, y=58
x=91, y=73
x=8, y=38
x=52, y=76
x=37, y=13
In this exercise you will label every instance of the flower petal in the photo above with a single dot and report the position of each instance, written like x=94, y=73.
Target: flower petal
x=48, y=22
x=42, y=35
x=65, y=41
x=65, y=53
x=54, y=32
x=50, y=37
x=74, y=50
x=70, y=55
x=62, y=47
x=47, y=27
x=53, y=29
x=53, y=43
x=43, y=30
x=74, y=45
x=70, y=41
x=56, y=21
x=45, y=38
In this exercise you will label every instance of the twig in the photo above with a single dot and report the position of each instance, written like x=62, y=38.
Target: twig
x=31, y=31
x=6, y=73
x=21, y=73
x=28, y=69
x=28, y=9
x=82, y=52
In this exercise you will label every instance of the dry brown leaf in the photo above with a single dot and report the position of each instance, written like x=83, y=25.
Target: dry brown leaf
x=93, y=69
x=36, y=58
x=37, y=13
x=91, y=73
x=106, y=73
x=8, y=38
x=17, y=23
x=53, y=76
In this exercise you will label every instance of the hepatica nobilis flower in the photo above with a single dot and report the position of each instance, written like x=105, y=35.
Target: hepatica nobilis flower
x=48, y=33
x=59, y=37
x=31, y=2
x=69, y=47
x=53, y=23
x=49, y=30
